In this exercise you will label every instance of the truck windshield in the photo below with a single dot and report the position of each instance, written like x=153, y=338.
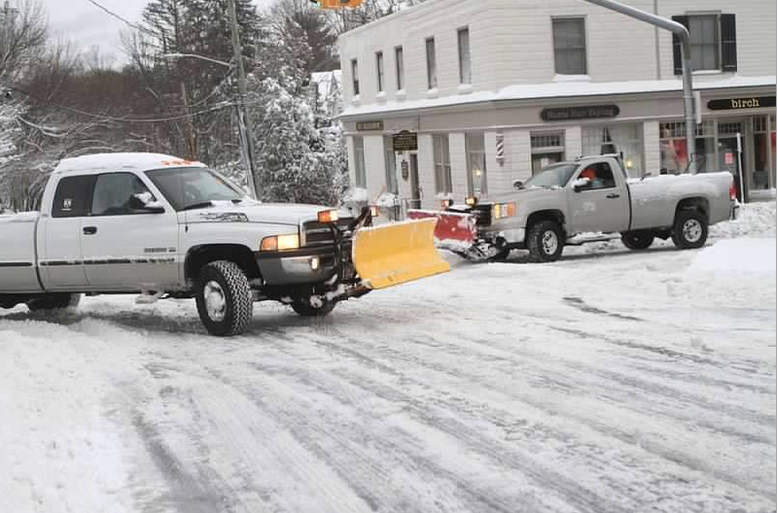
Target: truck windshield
x=193, y=187
x=556, y=175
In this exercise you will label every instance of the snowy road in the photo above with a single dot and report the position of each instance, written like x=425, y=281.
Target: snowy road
x=607, y=382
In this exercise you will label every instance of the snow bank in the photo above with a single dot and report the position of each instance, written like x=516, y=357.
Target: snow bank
x=753, y=220
x=739, y=255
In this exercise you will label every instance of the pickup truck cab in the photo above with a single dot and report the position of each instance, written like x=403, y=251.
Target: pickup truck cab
x=591, y=199
x=160, y=226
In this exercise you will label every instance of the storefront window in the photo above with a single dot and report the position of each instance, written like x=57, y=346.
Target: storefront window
x=624, y=138
x=674, y=150
x=546, y=149
x=477, y=165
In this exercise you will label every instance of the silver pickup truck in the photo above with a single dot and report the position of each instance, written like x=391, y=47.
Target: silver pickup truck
x=155, y=225
x=591, y=199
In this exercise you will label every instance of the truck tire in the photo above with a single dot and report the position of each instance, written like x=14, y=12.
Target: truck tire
x=638, y=240
x=49, y=302
x=302, y=306
x=545, y=241
x=224, y=298
x=690, y=229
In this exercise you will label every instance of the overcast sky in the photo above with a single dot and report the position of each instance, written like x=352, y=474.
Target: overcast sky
x=86, y=25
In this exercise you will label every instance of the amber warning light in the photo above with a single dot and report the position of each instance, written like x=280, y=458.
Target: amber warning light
x=337, y=4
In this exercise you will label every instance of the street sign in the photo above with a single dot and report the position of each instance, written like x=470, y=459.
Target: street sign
x=405, y=141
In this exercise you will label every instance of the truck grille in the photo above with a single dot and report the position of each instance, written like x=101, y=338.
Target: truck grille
x=483, y=214
x=318, y=234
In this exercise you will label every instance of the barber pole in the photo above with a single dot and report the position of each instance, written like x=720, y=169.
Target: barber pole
x=500, y=148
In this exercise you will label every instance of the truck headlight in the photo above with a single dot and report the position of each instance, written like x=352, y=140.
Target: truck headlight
x=328, y=216
x=281, y=242
x=502, y=210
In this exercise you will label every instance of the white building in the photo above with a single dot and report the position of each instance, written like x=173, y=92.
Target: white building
x=496, y=89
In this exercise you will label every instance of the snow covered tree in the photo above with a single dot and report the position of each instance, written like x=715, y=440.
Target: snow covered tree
x=296, y=162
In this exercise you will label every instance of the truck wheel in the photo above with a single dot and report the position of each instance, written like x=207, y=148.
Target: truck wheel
x=303, y=306
x=545, y=241
x=690, y=229
x=637, y=240
x=50, y=302
x=224, y=298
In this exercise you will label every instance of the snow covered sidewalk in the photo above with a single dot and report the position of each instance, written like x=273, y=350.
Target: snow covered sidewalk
x=610, y=381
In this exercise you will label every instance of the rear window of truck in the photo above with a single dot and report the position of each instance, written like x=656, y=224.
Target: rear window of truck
x=73, y=196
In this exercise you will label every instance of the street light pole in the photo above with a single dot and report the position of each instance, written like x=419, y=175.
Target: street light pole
x=244, y=121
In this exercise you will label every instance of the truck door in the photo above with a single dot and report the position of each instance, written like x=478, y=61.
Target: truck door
x=60, y=255
x=602, y=203
x=127, y=246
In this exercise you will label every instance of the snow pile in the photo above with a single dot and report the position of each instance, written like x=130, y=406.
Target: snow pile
x=753, y=220
x=739, y=255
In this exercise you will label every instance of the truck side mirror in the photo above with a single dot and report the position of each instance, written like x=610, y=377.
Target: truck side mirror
x=580, y=184
x=518, y=184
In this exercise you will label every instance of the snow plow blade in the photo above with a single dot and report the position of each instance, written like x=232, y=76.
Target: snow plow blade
x=453, y=229
x=397, y=253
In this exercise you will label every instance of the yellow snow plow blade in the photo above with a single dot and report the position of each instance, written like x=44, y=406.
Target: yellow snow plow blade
x=392, y=254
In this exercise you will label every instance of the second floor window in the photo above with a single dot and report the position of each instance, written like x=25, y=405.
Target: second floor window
x=569, y=46
x=399, y=68
x=464, y=56
x=705, y=43
x=430, y=53
x=713, y=42
x=355, y=79
x=380, y=72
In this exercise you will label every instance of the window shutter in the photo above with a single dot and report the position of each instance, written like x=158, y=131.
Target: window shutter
x=728, y=42
x=677, y=45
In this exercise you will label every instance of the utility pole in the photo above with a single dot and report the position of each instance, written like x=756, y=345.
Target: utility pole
x=244, y=121
x=687, y=76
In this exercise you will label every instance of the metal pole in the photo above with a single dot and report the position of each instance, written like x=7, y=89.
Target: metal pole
x=685, y=40
x=244, y=121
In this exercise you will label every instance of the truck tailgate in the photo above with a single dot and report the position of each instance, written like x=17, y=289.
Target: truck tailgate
x=17, y=253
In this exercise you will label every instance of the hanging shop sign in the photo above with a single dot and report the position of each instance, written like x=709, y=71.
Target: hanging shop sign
x=585, y=112
x=752, y=102
x=405, y=141
x=369, y=126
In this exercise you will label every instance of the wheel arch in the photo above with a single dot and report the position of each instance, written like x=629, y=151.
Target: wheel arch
x=698, y=203
x=198, y=256
x=554, y=215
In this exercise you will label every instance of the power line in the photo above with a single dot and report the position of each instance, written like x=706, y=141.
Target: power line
x=122, y=19
x=125, y=119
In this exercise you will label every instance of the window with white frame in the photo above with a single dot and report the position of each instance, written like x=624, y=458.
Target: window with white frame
x=624, y=138
x=476, y=163
x=399, y=68
x=705, y=41
x=360, y=162
x=380, y=72
x=546, y=148
x=441, y=163
x=464, y=56
x=430, y=53
x=569, y=46
x=355, y=78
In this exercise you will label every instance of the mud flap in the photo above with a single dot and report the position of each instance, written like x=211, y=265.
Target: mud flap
x=454, y=230
x=397, y=253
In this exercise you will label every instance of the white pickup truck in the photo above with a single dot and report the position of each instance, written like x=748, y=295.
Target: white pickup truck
x=164, y=227
x=589, y=200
